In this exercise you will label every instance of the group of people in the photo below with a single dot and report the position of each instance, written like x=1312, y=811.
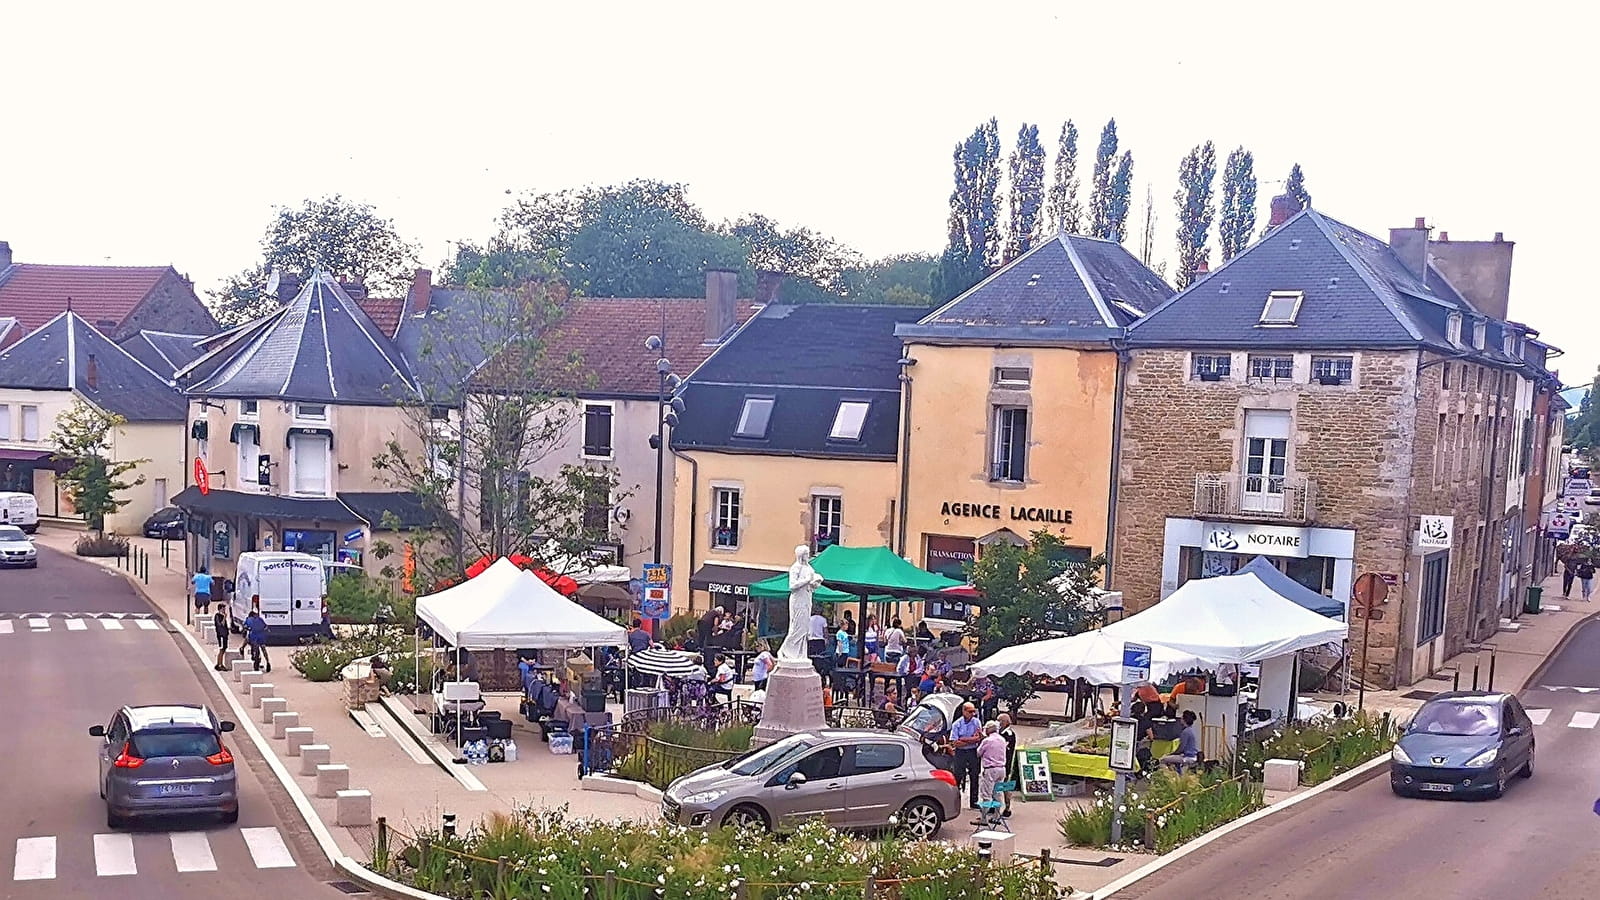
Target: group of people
x=208, y=590
x=985, y=756
x=1577, y=563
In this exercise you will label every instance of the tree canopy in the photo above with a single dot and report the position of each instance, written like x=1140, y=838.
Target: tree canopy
x=1195, y=209
x=1238, y=203
x=974, y=224
x=95, y=484
x=1027, y=193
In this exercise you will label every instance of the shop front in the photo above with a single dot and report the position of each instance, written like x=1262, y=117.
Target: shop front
x=729, y=589
x=1322, y=559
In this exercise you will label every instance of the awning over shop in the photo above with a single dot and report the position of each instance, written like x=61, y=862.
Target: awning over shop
x=288, y=439
x=878, y=570
x=263, y=506
x=734, y=580
x=388, y=509
x=1289, y=589
x=6, y=453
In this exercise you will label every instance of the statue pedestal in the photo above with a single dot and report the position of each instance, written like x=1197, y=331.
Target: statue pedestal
x=793, y=704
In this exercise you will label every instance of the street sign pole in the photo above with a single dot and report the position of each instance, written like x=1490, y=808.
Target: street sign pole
x=1370, y=590
x=1135, y=669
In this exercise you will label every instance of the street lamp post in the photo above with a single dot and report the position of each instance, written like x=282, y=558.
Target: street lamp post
x=667, y=411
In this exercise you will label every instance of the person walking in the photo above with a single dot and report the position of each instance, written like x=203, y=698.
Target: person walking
x=1009, y=735
x=965, y=735
x=202, y=591
x=991, y=761
x=219, y=621
x=1567, y=574
x=255, y=629
x=762, y=666
x=1585, y=575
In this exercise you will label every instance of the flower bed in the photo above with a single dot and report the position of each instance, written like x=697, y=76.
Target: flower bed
x=322, y=661
x=1326, y=747
x=546, y=854
x=670, y=749
x=1163, y=811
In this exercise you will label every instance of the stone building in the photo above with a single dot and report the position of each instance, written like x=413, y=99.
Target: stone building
x=1332, y=402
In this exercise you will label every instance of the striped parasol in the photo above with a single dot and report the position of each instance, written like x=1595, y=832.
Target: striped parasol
x=656, y=661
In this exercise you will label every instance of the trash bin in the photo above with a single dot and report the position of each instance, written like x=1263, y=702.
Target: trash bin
x=1535, y=591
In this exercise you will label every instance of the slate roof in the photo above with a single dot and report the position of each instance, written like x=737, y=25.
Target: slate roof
x=1070, y=287
x=809, y=359
x=163, y=352
x=56, y=357
x=319, y=348
x=36, y=294
x=1357, y=293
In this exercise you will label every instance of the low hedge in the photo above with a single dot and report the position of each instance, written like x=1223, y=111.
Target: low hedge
x=322, y=661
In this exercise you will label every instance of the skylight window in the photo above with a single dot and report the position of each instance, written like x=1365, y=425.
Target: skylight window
x=754, y=418
x=848, y=421
x=1282, y=307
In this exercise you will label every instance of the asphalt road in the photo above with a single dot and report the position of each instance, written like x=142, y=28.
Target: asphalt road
x=1538, y=841
x=71, y=670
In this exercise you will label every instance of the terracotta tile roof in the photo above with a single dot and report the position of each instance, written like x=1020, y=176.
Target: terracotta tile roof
x=34, y=294
x=383, y=311
x=608, y=334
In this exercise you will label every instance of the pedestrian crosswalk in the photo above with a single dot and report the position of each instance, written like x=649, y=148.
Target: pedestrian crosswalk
x=38, y=623
x=41, y=858
x=1580, y=718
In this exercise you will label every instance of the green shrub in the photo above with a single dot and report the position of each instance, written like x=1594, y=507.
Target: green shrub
x=322, y=661
x=101, y=545
x=677, y=626
x=1326, y=747
x=671, y=750
x=404, y=675
x=1164, y=810
x=356, y=599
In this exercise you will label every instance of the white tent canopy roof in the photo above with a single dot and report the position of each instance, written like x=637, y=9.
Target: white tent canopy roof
x=507, y=607
x=585, y=571
x=1229, y=619
x=1093, y=655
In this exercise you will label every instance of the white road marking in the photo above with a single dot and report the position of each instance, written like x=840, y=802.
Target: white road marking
x=267, y=848
x=113, y=855
x=39, y=624
x=191, y=851
x=147, y=625
x=111, y=624
x=6, y=626
x=1584, y=720
x=76, y=625
x=1538, y=715
x=36, y=859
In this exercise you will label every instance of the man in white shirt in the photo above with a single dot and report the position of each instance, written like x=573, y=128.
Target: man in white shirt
x=817, y=642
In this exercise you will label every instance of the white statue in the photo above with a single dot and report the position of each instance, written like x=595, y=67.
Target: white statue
x=803, y=582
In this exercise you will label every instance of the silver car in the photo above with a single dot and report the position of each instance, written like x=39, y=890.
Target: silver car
x=165, y=761
x=16, y=549
x=847, y=778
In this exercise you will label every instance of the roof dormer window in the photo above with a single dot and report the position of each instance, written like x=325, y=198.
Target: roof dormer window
x=1511, y=345
x=754, y=418
x=1452, y=329
x=1282, y=307
x=849, y=420
x=1479, y=329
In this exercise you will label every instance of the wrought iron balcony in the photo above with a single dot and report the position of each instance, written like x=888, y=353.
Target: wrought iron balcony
x=1272, y=497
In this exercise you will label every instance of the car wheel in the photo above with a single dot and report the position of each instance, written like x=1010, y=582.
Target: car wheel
x=920, y=820
x=1527, y=767
x=747, y=816
x=230, y=818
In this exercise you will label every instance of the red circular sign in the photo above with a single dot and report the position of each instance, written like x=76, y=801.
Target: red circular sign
x=202, y=478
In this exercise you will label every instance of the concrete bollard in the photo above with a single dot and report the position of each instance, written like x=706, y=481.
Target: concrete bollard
x=1002, y=845
x=314, y=755
x=354, y=809
x=248, y=678
x=239, y=666
x=271, y=706
x=283, y=721
x=332, y=779
x=1281, y=774
x=261, y=691
x=297, y=737
x=208, y=632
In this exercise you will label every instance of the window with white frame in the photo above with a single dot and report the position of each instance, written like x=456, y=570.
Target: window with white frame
x=1219, y=365
x=827, y=519
x=1452, y=329
x=311, y=412
x=309, y=462
x=249, y=455
x=1336, y=369
x=1282, y=307
x=849, y=420
x=754, y=418
x=727, y=506
x=1266, y=462
x=597, y=430
x=1274, y=367
x=1479, y=329
x=1010, y=459
x=5, y=421
x=249, y=409
x=30, y=423
x=1012, y=376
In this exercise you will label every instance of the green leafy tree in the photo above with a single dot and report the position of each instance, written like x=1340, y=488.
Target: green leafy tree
x=804, y=255
x=1031, y=593
x=1295, y=187
x=1195, y=209
x=1238, y=203
x=1121, y=199
x=96, y=484
x=1066, y=212
x=1105, y=164
x=974, y=216
x=1583, y=429
x=339, y=236
x=1027, y=193
x=905, y=280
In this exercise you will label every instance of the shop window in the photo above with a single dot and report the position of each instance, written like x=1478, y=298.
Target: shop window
x=849, y=420
x=754, y=418
x=1282, y=307
x=1332, y=369
x=1010, y=462
x=5, y=421
x=1275, y=368
x=827, y=517
x=1435, y=570
x=1012, y=377
x=1212, y=367
x=30, y=423
x=726, y=506
x=597, y=430
x=309, y=460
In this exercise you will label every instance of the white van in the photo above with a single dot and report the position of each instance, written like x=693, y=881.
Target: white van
x=291, y=588
x=20, y=510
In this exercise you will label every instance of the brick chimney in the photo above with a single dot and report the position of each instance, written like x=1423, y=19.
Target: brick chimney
x=1201, y=269
x=1411, y=246
x=91, y=374
x=417, y=298
x=1282, y=208
x=722, y=293
x=769, y=286
x=5, y=254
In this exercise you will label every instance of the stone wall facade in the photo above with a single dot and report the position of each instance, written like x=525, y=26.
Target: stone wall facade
x=172, y=306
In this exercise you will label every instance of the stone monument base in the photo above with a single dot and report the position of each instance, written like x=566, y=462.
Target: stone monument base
x=793, y=704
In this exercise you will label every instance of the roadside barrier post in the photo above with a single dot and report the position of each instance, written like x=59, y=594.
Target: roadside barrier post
x=382, y=850
x=500, y=877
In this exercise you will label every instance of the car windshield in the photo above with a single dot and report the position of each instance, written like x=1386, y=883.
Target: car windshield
x=1457, y=718
x=9, y=533
x=151, y=744
x=757, y=761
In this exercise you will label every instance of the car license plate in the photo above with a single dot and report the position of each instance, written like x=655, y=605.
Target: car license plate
x=1440, y=788
x=172, y=790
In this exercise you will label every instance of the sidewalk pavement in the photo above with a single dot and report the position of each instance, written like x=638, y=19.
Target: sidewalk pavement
x=410, y=793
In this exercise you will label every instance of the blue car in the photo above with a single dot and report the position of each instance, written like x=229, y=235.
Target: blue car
x=1463, y=742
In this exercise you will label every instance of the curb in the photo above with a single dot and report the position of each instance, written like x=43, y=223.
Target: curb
x=1556, y=650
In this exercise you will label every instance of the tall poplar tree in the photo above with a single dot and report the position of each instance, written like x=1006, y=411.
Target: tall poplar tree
x=1105, y=160
x=974, y=213
x=1238, y=203
x=1195, y=209
x=1121, y=199
x=1066, y=213
x=1027, y=193
x=1147, y=240
x=1295, y=187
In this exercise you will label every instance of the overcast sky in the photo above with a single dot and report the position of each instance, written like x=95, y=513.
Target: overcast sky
x=164, y=133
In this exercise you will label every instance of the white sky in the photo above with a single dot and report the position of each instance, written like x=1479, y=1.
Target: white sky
x=155, y=133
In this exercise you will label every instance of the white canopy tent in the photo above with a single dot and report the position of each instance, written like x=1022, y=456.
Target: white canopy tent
x=1228, y=619
x=507, y=607
x=585, y=571
x=1093, y=655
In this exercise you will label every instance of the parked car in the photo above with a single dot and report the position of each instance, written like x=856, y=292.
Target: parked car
x=167, y=523
x=1594, y=497
x=16, y=549
x=165, y=761
x=848, y=778
x=1463, y=742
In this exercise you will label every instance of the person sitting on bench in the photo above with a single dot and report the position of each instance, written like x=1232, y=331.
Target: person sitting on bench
x=722, y=686
x=1188, y=752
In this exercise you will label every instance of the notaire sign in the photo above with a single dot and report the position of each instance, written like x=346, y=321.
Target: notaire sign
x=1017, y=513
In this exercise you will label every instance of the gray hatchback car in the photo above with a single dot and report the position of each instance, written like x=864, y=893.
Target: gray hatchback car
x=847, y=778
x=165, y=761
